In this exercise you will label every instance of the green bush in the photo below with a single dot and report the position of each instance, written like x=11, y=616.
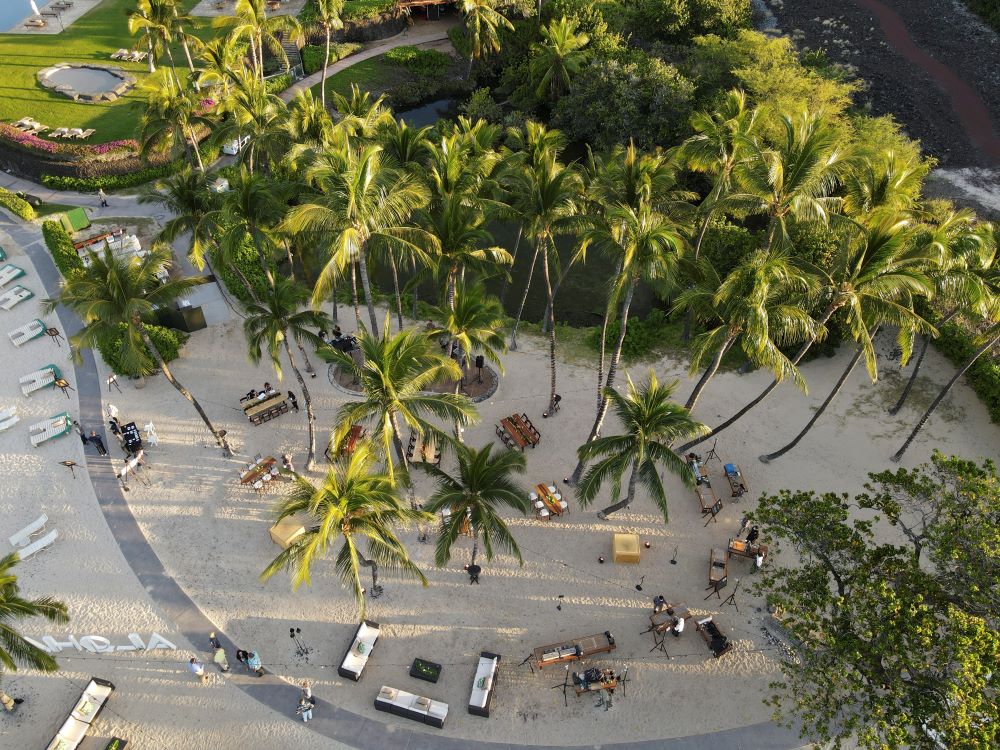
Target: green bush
x=16, y=205
x=988, y=10
x=246, y=260
x=277, y=84
x=110, y=181
x=482, y=106
x=984, y=376
x=168, y=342
x=367, y=9
x=642, y=338
x=60, y=244
x=312, y=54
x=421, y=62
x=460, y=40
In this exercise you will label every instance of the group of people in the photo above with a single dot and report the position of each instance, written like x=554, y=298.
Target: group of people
x=752, y=537
x=659, y=605
x=251, y=660
x=338, y=340
x=267, y=392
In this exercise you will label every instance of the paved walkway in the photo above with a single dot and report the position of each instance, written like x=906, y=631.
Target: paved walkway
x=422, y=33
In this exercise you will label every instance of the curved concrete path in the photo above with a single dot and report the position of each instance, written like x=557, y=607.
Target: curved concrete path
x=346, y=728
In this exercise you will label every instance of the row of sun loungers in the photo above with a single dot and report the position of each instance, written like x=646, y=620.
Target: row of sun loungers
x=33, y=127
x=129, y=55
x=77, y=133
x=21, y=541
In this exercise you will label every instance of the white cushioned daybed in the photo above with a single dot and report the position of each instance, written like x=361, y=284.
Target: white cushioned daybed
x=85, y=710
x=358, y=653
x=483, y=684
x=410, y=706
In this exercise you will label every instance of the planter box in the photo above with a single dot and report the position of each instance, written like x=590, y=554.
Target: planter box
x=425, y=670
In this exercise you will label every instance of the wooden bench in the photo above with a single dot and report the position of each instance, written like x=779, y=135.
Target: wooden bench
x=718, y=568
x=577, y=648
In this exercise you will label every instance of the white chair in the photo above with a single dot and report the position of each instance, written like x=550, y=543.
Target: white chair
x=8, y=418
x=35, y=381
x=36, y=547
x=27, y=332
x=552, y=489
x=275, y=471
x=10, y=299
x=258, y=485
x=23, y=537
x=9, y=272
x=532, y=496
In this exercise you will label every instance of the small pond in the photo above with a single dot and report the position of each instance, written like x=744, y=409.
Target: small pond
x=429, y=113
x=87, y=83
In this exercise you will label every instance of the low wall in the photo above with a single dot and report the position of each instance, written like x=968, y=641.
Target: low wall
x=363, y=29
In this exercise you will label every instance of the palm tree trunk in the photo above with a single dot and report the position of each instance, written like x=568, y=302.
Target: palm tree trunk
x=326, y=62
x=395, y=288
x=219, y=439
x=709, y=372
x=173, y=67
x=944, y=392
x=397, y=442
x=187, y=53
x=819, y=412
x=632, y=481
x=602, y=406
x=916, y=366
x=194, y=147
x=689, y=315
x=354, y=294
x=245, y=281
x=149, y=49
x=416, y=286
x=335, y=317
x=524, y=298
x=513, y=260
x=475, y=549
x=552, y=331
x=604, y=337
x=310, y=415
x=367, y=286
x=766, y=392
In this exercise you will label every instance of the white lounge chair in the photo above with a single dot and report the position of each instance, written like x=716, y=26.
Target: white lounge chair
x=8, y=418
x=35, y=381
x=51, y=428
x=9, y=272
x=38, y=546
x=27, y=332
x=23, y=537
x=120, y=54
x=74, y=133
x=10, y=299
x=59, y=133
x=83, y=135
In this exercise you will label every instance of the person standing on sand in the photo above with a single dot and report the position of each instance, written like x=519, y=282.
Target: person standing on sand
x=253, y=662
x=304, y=709
x=102, y=197
x=293, y=401
x=196, y=668
x=82, y=432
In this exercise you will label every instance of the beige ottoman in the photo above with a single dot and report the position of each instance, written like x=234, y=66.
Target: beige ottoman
x=285, y=532
x=625, y=548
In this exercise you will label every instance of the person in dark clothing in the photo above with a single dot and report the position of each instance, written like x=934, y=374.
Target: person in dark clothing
x=754, y=533
x=293, y=401
x=213, y=641
x=243, y=658
x=474, y=571
x=82, y=432
x=98, y=442
x=116, y=430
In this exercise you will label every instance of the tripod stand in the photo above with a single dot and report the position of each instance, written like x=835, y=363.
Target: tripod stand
x=731, y=599
x=713, y=453
x=564, y=685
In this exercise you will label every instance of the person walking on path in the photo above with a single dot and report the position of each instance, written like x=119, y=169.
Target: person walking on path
x=98, y=442
x=103, y=197
x=218, y=653
x=305, y=709
x=196, y=668
x=293, y=401
x=307, y=691
x=82, y=432
x=243, y=658
x=253, y=662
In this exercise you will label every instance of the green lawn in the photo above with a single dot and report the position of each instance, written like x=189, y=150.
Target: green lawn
x=91, y=38
x=374, y=75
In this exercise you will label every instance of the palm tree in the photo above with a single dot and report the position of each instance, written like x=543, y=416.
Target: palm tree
x=328, y=19
x=883, y=180
x=558, y=58
x=114, y=292
x=395, y=373
x=552, y=192
x=363, y=202
x=222, y=60
x=154, y=19
x=474, y=496
x=355, y=503
x=757, y=307
x=186, y=196
x=482, y=23
x=168, y=118
x=309, y=121
x=651, y=422
x=257, y=116
x=966, y=253
x=250, y=21
x=873, y=269
x=186, y=39
x=646, y=245
x=361, y=116
x=271, y=322
x=15, y=650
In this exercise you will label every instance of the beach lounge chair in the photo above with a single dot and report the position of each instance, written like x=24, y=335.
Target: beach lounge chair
x=74, y=133
x=8, y=273
x=35, y=23
x=51, y=428
x=360, y=650
x=43, y=378
x=86, y=133
x=37, y=129
x=120, y=54
x=59, y=133
x=24, y=122
x=8, y=418
x=10, y=299
x=23, y=537
x=3, y=255
x=27, y=332
x=38, y=545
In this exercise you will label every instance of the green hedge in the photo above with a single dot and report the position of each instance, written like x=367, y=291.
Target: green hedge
x=422, y=62
x=167, y=341
x=16, y=205
x=248, y=262
x=367, y=9
x=984, y=376
x=107, y=182
x=312, y=54
x=60, y=245
x=988, y=10
x=643, y=337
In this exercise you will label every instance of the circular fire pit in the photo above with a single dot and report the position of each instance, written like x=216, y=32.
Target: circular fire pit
x=83, y=82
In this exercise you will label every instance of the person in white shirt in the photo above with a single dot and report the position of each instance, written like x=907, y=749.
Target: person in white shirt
x=196, y=668
x=678, y=627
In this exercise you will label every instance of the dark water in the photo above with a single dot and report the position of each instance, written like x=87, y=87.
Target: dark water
x=428, y=114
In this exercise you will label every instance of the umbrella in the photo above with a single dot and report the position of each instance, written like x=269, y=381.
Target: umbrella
x=34, y=7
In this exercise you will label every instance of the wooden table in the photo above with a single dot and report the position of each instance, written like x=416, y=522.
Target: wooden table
x=526, y=428
x=262, y=468
x=718, y=567
x=664, y=619
x=257, y=411
x=572, y=650
x=555, y=508
x=745, y=549
x=513, y=434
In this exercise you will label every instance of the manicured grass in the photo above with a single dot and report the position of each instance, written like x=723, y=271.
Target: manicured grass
x=47, y=209
x=374, y=75
x=91, y=38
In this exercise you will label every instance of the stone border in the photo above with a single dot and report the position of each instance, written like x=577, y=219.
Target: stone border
x=125, y=82
x=351, y=729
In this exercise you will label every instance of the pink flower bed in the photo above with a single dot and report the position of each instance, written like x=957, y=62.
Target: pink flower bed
x=113, y=149
x=10, y=133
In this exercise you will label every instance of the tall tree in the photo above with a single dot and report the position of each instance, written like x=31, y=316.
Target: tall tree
x=651, y=422
x=168, y=118
x=394, y=375
x=258, y=118
x=114, y=292
x=474, y=496
x=483, y=23
x=895, y=649
x=557, y=58
x=328, y=19
x=155, y=20
x=250, y=21
x=15, y=650
x=186, y=196
x=354, y=504
x=275, y=319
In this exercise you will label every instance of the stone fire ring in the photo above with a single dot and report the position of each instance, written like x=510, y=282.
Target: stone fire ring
x=124, y=85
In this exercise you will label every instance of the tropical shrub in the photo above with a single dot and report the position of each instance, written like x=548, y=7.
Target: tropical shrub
x=60, y=245
x=168, y=342
x=247, y=261
x=367, y=9
x=277, y=84
x=421, y=62
x=482, y=105
x=312, y=54
x=108, y=182
x=16, y=205
x=988, y=10
x=958, y=345
x=643, y=337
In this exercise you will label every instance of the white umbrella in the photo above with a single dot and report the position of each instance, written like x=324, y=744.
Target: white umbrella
x=34, y=7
